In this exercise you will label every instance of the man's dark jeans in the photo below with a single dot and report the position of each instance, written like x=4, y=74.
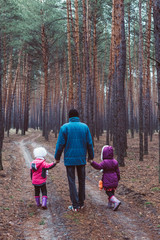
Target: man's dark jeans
x=76, y=198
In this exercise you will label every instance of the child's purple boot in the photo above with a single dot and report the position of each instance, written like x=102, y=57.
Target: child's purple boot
x=44, y=202
x=37, y=198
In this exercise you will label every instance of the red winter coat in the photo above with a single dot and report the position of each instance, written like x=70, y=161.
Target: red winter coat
x=38, y=171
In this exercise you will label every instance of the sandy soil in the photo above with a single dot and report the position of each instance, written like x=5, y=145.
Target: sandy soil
x=139, y=191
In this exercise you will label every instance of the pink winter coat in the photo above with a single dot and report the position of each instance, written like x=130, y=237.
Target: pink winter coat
x=38, y=171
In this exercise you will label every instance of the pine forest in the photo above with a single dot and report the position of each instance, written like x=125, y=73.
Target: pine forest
x=100, y=57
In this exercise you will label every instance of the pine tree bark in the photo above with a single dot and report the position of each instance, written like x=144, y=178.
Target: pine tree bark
x=156, y=16
x=45, y=69
x=71, y=100
x=7, y=91
x=130, y=79
x=27, y=98
x=79, y=77
x=140, y=88
x=95, y=72
x=120, y=59
x=109, y=111
x=1, y=114
x=147, y=109
x=4, y=92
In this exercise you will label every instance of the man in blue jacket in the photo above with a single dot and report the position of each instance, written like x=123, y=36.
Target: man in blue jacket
x=75, y=138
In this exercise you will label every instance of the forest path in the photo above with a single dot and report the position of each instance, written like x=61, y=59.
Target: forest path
x=59, y=223
x=48, y=222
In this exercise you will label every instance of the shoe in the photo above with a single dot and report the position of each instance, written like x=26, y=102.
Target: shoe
x=37, y=198
x=81, y=207
x=116, y=202
x=109, y=205
x=73, y=209
x=44, y=202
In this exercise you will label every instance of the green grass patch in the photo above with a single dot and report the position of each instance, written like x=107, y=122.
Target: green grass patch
x=31, y=214
x=133, y=179
x=148, y=203
x=5, y=208
x=42, y=222
x=74, y=218
x=130, y=159
x=155, y=189
x=158, y=226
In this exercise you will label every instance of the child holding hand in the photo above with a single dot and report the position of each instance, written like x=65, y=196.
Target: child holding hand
x=39, y=175
x=111, y=175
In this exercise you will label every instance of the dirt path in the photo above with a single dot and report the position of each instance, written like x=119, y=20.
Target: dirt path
x=49, y=221
x=94, y=222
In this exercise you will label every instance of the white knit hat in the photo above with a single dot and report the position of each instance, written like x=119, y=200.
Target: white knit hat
x=39, y=152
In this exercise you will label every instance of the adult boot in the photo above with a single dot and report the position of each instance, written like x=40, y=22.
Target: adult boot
x=37, y=198
x=44, y=202
x=116, y=202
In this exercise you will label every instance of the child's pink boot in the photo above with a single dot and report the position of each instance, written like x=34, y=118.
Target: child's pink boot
x=116, y=202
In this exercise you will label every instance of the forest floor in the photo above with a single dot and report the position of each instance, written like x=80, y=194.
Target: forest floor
x=138, y=217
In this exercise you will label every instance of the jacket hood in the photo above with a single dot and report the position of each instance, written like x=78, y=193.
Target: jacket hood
x=107, y=152
x=37, y=162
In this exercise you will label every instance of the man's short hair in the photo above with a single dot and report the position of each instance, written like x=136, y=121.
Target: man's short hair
x=73, y=113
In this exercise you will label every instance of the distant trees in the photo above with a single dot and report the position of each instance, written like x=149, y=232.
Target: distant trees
x=58, y=55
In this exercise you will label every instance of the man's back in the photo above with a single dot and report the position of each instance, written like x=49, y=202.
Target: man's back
x=76, y=139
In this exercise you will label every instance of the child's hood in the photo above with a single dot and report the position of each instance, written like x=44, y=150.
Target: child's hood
x=107, y=152
x=37, y=162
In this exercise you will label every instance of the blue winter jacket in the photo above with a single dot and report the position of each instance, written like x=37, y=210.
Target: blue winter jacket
x=75, y=138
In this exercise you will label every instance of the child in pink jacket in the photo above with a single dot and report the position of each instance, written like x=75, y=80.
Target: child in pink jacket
x=38, y=175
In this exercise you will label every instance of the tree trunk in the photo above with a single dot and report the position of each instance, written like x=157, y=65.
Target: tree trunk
x=77, y=55
x=45, y=69
x=71, y=100
x=109, y=110
x=147, y=109
x=1, y=114
x=130, y=79
x=95, y=72
x=120, y=57
x=156, y=16
x=140, y=88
